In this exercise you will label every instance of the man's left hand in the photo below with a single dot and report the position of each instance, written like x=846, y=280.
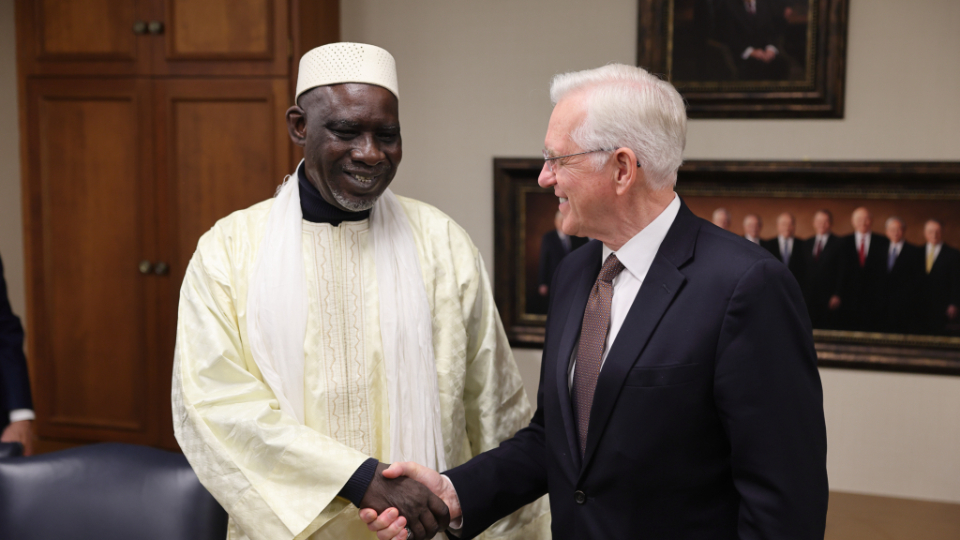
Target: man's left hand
x=21, y=432
x=951, y=312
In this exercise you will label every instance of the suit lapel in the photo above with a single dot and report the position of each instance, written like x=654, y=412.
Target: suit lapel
x=571, y=331
x=661, y=284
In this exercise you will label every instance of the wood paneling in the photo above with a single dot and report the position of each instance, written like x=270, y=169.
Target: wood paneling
x=73, y=37
x=221, y=28
x=313, y=24
x=224, y=146
x=93, y=198
x=87, y=28
x=134, y=144
x=224, y=37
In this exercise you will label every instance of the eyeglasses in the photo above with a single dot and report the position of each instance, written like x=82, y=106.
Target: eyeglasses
x=548, y=159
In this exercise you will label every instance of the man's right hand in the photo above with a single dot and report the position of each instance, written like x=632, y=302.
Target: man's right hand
x=425, y=513
x=388, y=524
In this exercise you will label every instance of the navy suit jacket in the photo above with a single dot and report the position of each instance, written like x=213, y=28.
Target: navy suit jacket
x=14, y=384
x=707, y=420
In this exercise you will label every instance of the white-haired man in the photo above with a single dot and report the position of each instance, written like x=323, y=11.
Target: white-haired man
x=338, y=326
x=679, y=394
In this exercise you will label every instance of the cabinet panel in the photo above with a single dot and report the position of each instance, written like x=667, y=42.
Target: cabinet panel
x=222, y=147
x=90, y=192
x=225, y=150
x=82, y=36
x=224, y=37
x=234, y=28
x=87, y=28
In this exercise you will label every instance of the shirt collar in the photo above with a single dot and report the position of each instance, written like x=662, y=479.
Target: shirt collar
x=317, y=210
x=638, y=253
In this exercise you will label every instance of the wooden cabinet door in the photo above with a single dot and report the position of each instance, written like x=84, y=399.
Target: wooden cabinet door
x=223, y=37
x=78, y=37
x=222, y=146
x=90, y=200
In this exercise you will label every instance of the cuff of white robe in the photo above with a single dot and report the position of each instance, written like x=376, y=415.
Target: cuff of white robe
x=19, y=415
x=356, y=487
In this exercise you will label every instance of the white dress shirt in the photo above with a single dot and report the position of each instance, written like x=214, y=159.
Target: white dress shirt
x=786, y=247
x=821, y=240
x=636, y=256
x=565, y=240
x=19, y=415
x=895, y=249
x=935, y=249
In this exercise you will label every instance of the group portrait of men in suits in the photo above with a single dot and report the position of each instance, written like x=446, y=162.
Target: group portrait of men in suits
x=867, y=281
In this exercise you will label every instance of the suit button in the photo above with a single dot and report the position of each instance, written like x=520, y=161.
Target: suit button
x=580, y=497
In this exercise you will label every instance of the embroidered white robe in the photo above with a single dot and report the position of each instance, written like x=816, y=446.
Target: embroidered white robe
x=278, y=479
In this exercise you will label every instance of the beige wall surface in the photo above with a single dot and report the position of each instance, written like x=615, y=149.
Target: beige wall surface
x=473, y=85
x=11, y=226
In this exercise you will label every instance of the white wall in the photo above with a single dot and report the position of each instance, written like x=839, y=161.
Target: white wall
x=473, y=85
x=11, y=227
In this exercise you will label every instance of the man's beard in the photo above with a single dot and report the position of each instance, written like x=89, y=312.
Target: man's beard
x=352, y=205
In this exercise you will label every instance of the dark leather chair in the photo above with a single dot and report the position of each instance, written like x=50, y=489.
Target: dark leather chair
x=106, y=492
x=11, y=449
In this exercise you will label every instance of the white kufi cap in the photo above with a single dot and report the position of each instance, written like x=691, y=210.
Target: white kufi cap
x=339, y=63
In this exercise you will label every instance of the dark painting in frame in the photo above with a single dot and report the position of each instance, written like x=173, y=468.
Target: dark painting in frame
x=699, y=46
x=912, y=190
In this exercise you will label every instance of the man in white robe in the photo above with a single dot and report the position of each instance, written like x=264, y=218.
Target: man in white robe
x=290, y=446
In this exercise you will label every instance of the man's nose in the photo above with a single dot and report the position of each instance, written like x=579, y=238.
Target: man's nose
x=546, y=178
x=368, y=150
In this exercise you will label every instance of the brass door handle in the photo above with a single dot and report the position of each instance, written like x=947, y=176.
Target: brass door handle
x=161, y=269
x=155, y=27
x=145, y=267
x=139, y=28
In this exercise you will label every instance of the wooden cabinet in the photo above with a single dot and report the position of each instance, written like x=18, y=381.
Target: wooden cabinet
x=91, y=220
x=155, y=37
x=136, y=139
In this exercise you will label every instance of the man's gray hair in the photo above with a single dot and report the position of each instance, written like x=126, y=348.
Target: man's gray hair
x=626, y=106
x=891, y=219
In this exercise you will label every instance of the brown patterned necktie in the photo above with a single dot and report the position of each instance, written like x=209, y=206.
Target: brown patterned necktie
x=593, y=336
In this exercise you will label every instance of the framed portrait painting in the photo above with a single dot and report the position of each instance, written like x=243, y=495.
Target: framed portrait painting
x=872, y=246
x=748, y=58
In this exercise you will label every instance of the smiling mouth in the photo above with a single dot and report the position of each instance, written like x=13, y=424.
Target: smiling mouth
x=363, y=178
x=562, y=200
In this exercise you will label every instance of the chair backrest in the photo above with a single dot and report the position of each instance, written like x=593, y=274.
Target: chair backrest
x=106, y=492
x=11, y=449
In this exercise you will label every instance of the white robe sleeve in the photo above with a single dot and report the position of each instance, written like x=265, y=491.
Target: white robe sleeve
x=276, y=478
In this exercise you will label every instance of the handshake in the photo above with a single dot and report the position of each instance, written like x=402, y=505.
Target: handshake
x=407, y=501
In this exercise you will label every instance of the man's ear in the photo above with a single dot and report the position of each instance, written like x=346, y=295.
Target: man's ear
x=627, y=172
x=297, y=125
